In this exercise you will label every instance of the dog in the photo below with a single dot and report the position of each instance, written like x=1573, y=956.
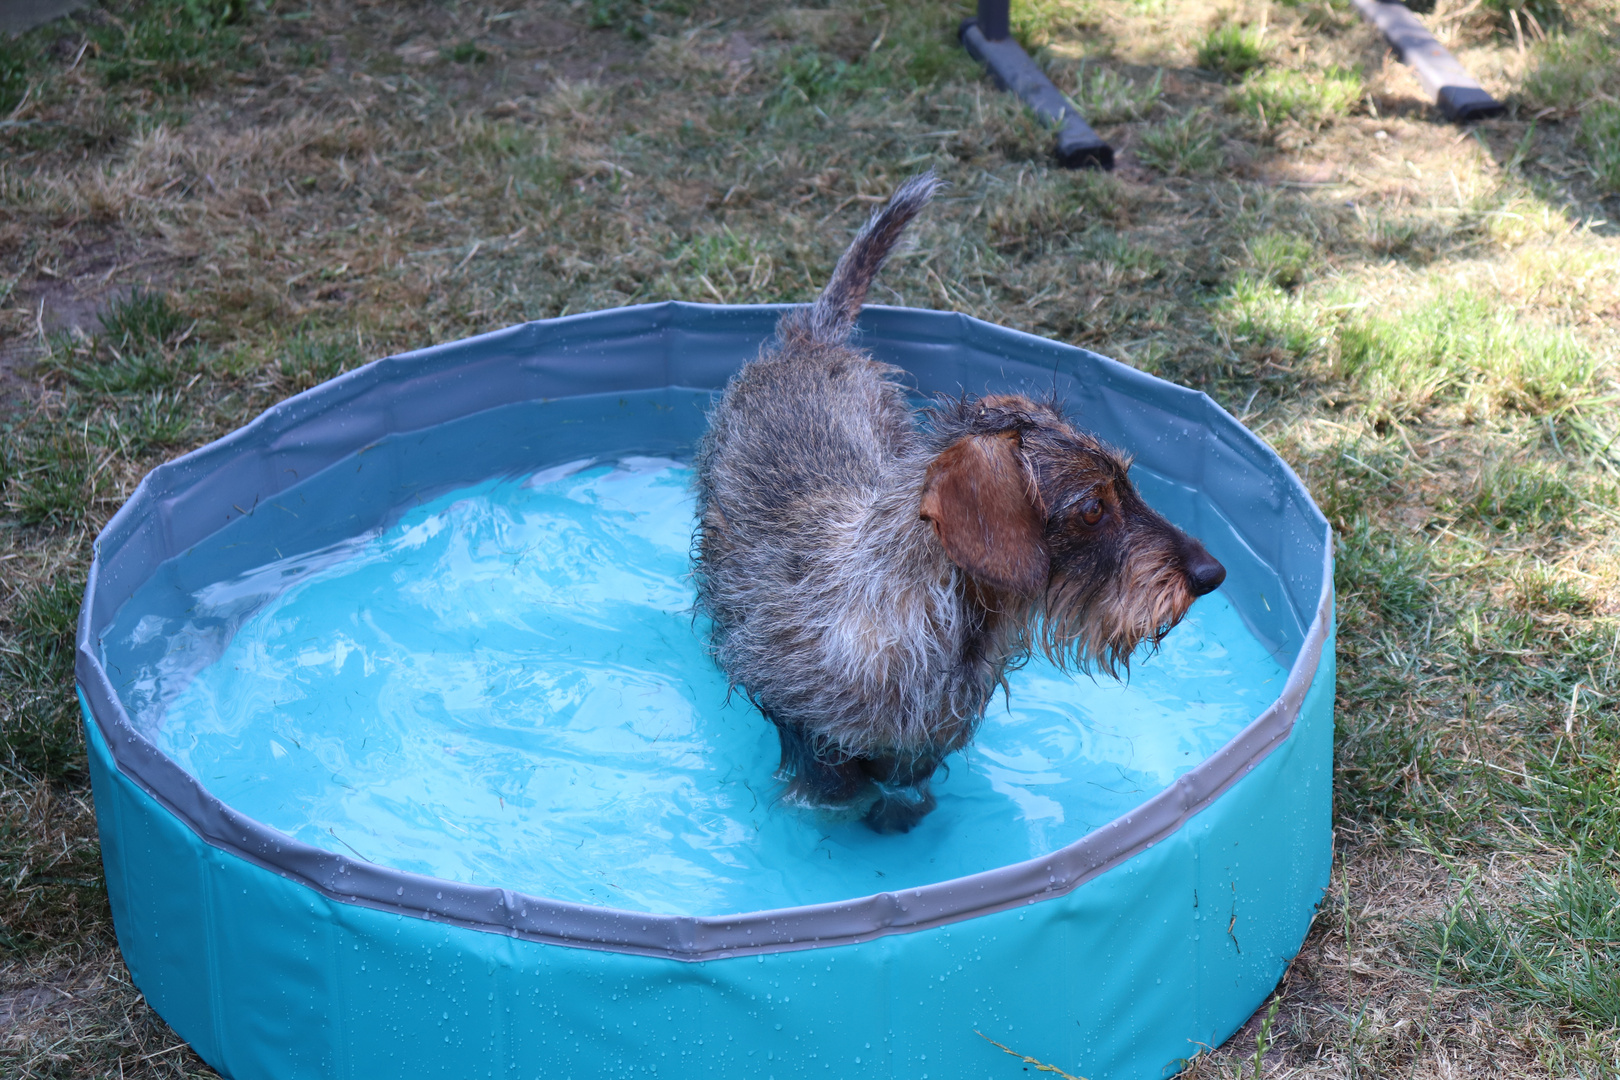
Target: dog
x=870, y=579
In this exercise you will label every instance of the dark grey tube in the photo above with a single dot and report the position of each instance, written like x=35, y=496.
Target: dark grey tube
x=1078, y=147
x=1457, y=93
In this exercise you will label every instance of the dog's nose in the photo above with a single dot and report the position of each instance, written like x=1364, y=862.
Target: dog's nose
x=1204, y=572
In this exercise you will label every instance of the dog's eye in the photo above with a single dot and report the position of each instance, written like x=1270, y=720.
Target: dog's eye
x=1090, y=511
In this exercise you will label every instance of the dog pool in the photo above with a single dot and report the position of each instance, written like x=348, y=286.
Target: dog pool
x=408, y=753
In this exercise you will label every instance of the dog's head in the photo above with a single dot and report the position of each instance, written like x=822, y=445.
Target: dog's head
x=1027, y=505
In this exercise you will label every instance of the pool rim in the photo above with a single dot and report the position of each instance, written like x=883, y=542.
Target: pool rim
x=686, y=937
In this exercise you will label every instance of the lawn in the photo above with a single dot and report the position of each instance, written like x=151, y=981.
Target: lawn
x=208, y=205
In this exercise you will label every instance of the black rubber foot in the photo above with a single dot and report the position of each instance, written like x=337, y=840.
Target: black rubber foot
x=1085, y=154
x=1465, y=104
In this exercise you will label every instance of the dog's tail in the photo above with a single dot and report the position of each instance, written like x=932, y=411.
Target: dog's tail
x=832, y=317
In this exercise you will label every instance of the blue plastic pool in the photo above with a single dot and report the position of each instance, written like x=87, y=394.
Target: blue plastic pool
x=408, y=755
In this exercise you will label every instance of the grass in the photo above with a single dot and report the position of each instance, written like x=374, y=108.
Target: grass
x=1528, y=495
x=1568, y=70
x=1105, y=96
x=1558, y=948
x=1600, y=138
x=1281, y=258
x=208, y=208
x=144, y=320
x=1188, y=144
x=1035, y=22
x=1231, y=50
x=169, y=45
x=1459, y=347
x=14, y=83
x=1310, y=97
x=1260, y=315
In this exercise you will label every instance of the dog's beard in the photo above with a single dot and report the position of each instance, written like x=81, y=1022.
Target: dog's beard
x=1091, y=627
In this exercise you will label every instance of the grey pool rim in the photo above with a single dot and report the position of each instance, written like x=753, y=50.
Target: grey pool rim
x=680, y=345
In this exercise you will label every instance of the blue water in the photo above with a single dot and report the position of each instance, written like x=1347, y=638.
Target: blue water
x=507, y=687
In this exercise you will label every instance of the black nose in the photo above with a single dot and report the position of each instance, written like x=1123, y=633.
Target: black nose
x=1204, y=572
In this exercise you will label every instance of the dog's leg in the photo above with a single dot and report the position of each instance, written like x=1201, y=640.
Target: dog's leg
x=814, y=780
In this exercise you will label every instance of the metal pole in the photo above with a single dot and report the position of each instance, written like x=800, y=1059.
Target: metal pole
x=995, y=19
x=988, y=38
x=1457, y=93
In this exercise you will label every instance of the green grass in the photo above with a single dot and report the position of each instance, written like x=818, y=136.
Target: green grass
x=1105, y=96
x=1231, y=50
x=36, y=671
x=174, y=46
x=1600, y=138
x=50, y=479
x=132, y=353
x=1517, y=494
x=1542, y=591
x=128, y=49
x=1384, y=574
x=810, y=76
x=1034, y=22
x=1547, y=14
x=1308, y=97
x=1569, y=70
x=636, y=19
x=143, y=320
x=1460, y=347
x=1262, y=316
x=1281, y=259
x=914, y=52
x=15, y=55
x=309, y=359
x=464, y=52
x=1052, y=216
x=1138, y=261
x=1186, y=145
x=1559, y=948
x=133, y=370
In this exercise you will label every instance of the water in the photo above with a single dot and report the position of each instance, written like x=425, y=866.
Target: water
x=507, y=687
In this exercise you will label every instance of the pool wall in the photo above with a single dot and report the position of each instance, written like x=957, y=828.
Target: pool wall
x=1118, y=956
x=1123, y=977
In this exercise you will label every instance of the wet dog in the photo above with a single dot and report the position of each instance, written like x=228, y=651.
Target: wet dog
x=870, y=578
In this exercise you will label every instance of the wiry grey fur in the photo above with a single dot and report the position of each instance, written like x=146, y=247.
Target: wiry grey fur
x=834, y=603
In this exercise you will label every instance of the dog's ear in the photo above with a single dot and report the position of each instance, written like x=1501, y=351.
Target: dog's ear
x=979, y=501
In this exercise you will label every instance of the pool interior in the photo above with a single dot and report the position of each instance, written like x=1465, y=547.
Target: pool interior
x=503, y=684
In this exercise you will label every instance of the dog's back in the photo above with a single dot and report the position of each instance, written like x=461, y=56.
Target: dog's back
x=812, y=416
x=794, y=429
x=794, y=456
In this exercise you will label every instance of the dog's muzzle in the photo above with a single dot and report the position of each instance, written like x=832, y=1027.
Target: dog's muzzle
x=1204, y=572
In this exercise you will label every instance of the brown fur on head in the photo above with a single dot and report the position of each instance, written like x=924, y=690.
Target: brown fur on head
x=1046, y=514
